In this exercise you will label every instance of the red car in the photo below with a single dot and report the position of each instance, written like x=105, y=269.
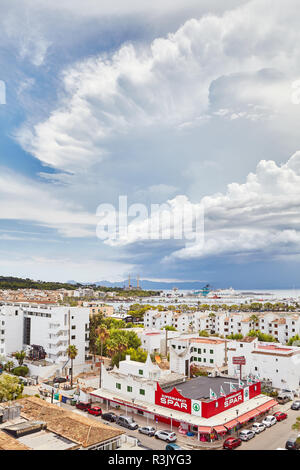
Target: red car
x=280, y=416
x=95, y=410
x=231, y=443
x=83, y=406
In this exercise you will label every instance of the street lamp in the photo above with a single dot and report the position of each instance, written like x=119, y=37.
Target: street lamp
x=171, y=422
x=237, y=414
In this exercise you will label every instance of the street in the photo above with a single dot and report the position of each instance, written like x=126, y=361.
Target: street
x=149, y=442
x=274, y=437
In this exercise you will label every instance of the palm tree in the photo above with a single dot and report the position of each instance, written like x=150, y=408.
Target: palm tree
x=72, y=353
x=102, y=335
x=9, y=366
x=20, y=356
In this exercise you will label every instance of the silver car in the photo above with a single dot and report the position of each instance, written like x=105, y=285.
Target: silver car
x=258, y=427
x=166, y=436
x=246, y=434
x=148, y=430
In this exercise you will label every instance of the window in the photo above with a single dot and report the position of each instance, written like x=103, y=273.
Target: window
x=73, y=327
x=73, y=337
x=211, y=351
x=142, y=391
x=118, y=386
x=141, y=372
x=129, y=389
x=211, y=361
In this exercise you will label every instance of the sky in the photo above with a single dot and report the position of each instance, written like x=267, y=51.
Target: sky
x=192, y=103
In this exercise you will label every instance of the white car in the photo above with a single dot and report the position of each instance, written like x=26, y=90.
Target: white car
x=166, y=436
x=258, y=427
x=246, y=434
x=269, y=421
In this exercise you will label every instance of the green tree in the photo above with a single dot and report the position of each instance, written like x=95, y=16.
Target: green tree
x=72, y=354
x=9, y=366
x=20, y=356
x=10, y=388
x=203, y=333
x=295, y=339
x=169, y=328
x=103, y=335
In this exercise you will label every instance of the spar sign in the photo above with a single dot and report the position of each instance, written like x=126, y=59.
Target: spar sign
x=173, y=400
x=215, y=407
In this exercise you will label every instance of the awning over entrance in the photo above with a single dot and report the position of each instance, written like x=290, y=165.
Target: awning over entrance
x=267, y=406
x=231, y=424
x=220, y=429
x=204, y=429
x=247, y=416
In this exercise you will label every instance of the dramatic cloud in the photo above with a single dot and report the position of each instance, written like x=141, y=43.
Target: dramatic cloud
x=261, y=215
x=180, y=80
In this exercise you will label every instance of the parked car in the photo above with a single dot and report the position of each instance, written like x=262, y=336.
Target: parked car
x=109, y=417
x=293, y=443
x=295, y=405
x=82, y=405
x=246, y=434
x=173, y=446
x=269, y=421
x=127, y=422
x=283, y=398
x=166, y=436
x=258, y=427
x=59, y=380
x=148, y=430
x=95, y=410
x=280, y=416
x=232, y=443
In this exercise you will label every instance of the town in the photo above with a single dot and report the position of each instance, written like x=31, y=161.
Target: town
x=147, y=375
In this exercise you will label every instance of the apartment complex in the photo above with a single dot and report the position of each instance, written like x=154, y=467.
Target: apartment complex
x=54, y=328
x=283, y=326
x=272, y=362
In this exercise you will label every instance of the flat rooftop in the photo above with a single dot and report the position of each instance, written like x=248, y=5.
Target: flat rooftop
x=44, y=440
x=198, y=388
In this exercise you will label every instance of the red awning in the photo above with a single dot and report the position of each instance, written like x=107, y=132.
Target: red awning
x=204, y=429
x=243, y=418
x=220, y=429
x=231, y=424
x=247, y=416
x=267, y=406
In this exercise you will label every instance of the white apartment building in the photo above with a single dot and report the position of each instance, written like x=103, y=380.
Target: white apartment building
x=184, y=322
x=199, y=351
x=54, y=328
x=154, y=341
x=281, y=325
x=274, y=362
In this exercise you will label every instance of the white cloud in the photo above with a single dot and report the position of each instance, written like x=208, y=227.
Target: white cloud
x=168, y=84
x=260, y=216
x=24, y=199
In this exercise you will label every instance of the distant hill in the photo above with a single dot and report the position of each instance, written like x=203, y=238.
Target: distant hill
x=155, y=285
x=7, y=282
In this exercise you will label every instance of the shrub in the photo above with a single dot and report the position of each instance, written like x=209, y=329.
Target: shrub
x=20, y=371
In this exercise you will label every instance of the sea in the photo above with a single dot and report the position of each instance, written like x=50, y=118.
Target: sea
x=171, y=297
